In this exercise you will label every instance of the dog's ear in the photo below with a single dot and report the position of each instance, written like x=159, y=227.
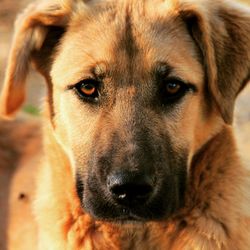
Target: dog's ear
x=37, y=31
x=221, y=30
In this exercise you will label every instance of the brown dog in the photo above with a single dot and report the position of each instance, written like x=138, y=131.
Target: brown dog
x=139, y=148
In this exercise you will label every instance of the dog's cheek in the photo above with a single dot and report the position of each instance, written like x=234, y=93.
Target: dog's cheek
x=74, y=127
x=192, y=126
x=206, y=128
x=181, y=125
x=204, y=124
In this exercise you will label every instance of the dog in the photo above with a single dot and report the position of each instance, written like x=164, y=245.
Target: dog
x=139, y=150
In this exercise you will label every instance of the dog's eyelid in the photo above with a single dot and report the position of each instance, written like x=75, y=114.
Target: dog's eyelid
x=188, y=85
x=91, y=80
x=87, y=90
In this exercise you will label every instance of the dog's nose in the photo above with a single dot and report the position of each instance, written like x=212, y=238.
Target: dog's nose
x=130, y=187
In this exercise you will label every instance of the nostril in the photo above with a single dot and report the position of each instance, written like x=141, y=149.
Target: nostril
x=130, y=187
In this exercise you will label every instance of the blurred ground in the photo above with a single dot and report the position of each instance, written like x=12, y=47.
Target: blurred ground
x=36, y=90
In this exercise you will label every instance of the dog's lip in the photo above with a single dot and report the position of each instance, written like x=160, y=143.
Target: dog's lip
x=127, y=216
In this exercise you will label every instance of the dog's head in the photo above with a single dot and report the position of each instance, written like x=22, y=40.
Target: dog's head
x=136, y=88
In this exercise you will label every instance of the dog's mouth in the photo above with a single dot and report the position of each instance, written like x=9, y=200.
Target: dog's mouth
x=119, y=214
x=126, y=216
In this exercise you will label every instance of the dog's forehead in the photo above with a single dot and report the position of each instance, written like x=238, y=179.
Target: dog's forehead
x=127, y=35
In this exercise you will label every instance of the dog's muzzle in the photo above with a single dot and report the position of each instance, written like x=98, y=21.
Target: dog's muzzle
x=132, y=196
x=142, y=182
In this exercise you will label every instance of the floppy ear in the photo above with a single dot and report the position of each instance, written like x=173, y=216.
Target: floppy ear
x=221, y=30
x=37, y=31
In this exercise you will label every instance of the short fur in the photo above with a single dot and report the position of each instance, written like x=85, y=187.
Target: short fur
x=201, y=194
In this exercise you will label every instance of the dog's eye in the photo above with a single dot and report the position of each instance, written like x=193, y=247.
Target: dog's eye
x=174, y=90
x=88, y=89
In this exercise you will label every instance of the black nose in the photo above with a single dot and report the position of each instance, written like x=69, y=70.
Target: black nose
x=130, y=187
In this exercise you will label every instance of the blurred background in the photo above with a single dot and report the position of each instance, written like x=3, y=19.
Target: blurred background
x=36, y=86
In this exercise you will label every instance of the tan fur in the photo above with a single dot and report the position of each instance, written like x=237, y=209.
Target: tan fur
x=207, y=43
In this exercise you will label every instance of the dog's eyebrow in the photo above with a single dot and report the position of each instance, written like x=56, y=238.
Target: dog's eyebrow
x=162, y=68
x=99, y=70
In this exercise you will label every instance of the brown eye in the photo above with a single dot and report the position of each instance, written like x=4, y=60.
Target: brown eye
x=88, y=89
x=173, y=88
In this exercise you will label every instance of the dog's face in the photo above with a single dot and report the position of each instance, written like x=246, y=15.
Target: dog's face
x=129, y=102
x=134, y=95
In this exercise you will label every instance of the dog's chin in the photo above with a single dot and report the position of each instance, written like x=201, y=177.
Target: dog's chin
x=122, y=218
x=125, y=215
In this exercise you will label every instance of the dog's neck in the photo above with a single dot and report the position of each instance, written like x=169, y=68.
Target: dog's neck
x=58, y=207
